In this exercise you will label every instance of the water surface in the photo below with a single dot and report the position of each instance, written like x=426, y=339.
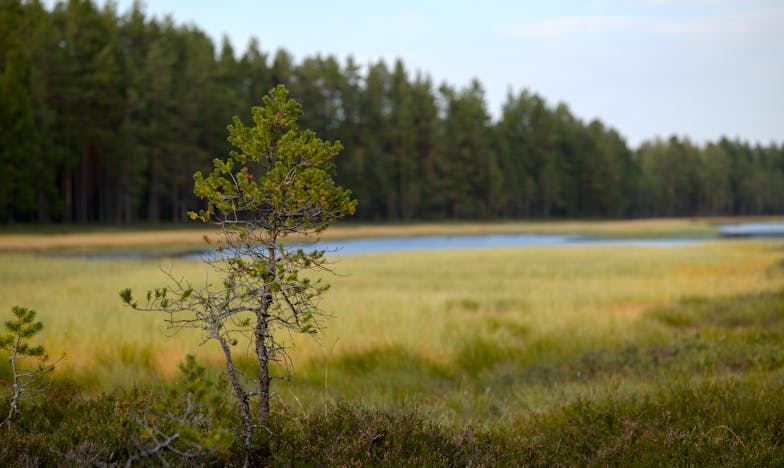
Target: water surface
x=398, y=244
x=758, y=230
x=766, y=229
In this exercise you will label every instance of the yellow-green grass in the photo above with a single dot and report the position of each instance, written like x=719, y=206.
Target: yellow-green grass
x=192, y=235
x=483, y=337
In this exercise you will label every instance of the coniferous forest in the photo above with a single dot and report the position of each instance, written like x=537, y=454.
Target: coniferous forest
x=104, y=116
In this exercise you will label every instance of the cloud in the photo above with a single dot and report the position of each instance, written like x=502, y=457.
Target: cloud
x=740, y=24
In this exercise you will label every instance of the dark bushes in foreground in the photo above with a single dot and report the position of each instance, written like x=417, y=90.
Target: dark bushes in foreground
x=728, y=422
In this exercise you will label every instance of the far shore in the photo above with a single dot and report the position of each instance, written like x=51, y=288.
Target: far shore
x=110, y=237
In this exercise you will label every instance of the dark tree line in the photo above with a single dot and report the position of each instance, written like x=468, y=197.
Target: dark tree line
x=105, y=115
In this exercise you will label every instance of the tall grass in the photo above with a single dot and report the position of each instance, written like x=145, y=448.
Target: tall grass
x=464, y=311
x=553, y=354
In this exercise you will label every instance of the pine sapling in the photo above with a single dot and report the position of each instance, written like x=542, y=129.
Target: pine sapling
x=27, y=381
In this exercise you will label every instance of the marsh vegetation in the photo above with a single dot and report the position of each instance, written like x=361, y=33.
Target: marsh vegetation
x=543, y=355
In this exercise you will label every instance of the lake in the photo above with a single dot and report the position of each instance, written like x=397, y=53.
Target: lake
x=399, y=244
x=766, y=229
x=762, y=230
x=758, y=230
x=424, y=243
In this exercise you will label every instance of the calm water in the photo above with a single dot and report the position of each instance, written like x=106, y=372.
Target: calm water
x=401, y=244
x=398, y=244
x=763, y=230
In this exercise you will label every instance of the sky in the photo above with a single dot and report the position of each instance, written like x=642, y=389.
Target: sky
x=700, y=69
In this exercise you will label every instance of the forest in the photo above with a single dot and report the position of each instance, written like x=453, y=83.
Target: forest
x=106, y=114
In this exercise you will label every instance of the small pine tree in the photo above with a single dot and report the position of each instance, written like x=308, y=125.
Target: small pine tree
x=277, y=183
x=26, y=382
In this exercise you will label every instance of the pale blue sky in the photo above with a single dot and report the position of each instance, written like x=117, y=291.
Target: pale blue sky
x=699, y=68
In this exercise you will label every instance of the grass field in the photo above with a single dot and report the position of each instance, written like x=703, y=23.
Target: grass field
x=582, y=351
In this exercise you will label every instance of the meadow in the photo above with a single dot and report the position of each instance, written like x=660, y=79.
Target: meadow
x=542, y=355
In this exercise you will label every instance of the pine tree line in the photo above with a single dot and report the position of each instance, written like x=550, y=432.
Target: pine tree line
x=105, y=115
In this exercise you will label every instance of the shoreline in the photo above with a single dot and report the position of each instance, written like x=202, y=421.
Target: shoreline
x=178, y=238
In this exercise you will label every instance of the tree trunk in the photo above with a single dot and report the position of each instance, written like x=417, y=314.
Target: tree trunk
x=43, y=206
x=86, y=182
x=263, y=355
x=263, y=346
x=68, y=211
x=242, y=397
x=153, y=207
